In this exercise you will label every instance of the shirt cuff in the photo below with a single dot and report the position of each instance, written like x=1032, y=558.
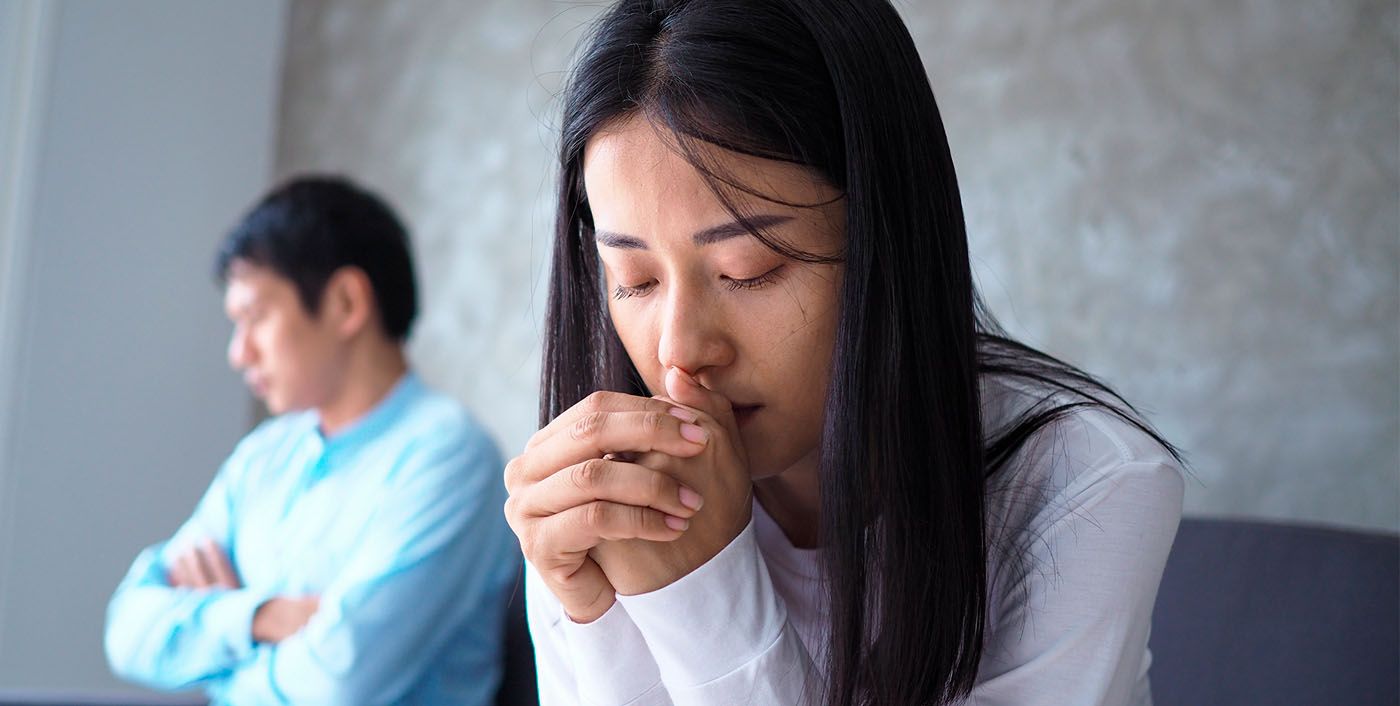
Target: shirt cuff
x=714, y=620
x=229, y=614
x=610, y=657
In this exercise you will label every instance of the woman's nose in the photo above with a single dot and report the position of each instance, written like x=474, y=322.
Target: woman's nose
x=695, y=334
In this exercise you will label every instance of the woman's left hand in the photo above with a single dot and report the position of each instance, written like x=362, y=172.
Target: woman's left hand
x=719, y=473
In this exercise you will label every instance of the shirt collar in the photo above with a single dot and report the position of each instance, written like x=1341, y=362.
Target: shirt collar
x=372, y=423
x=778, y=550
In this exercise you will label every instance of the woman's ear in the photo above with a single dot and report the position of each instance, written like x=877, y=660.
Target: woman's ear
x=348, y=301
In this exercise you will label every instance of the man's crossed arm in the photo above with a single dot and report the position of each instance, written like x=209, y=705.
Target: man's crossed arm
x=206, y=566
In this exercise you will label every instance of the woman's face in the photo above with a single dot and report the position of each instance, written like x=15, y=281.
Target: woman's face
x=692, y=289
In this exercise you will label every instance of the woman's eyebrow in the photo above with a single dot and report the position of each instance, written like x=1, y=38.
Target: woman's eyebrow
x=737, y=228
x=715, y=234
x=618, y=240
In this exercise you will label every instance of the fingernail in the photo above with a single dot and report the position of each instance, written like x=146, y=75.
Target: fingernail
x=694, y=433
x=683, y=414
x=691, y=499
x=676, y=523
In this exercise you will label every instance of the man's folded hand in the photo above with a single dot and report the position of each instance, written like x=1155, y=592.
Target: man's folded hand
x=281, y=617
x=206, y=566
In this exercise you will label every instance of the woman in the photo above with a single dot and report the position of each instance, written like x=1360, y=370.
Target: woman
x=785, y=456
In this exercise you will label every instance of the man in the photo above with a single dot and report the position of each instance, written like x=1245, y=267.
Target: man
x=353, y=549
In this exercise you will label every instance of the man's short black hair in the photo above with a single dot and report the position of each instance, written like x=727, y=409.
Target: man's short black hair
x=312, y=226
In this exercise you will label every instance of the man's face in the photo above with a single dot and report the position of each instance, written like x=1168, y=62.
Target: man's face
x=288, y=358
x=692, y=289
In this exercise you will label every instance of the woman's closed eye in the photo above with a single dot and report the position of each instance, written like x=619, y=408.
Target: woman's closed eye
x=624, y=291
x=763, y=280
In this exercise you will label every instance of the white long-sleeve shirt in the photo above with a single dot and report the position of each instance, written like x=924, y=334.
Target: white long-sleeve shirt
x=1079, y=526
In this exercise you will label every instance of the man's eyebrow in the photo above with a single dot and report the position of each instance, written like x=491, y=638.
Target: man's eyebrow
x=715, y=234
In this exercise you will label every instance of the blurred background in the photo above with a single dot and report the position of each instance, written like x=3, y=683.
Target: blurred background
x=1198, y=201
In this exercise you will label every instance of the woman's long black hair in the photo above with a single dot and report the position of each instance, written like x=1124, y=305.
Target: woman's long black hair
x=836, y=86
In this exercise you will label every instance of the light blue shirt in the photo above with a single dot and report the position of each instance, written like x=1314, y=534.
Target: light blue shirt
x=395, y=523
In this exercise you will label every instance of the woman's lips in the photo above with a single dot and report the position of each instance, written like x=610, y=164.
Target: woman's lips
x=744, y=413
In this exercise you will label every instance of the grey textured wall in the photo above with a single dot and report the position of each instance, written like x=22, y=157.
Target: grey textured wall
x=440, y=105
x=1197, y=200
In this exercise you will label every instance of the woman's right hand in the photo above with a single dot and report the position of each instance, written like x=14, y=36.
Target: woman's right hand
x=568, y=493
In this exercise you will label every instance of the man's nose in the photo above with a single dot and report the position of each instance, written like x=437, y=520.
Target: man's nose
x=239, y=354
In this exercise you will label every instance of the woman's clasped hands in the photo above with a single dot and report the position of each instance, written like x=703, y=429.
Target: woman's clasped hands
x=625, y=495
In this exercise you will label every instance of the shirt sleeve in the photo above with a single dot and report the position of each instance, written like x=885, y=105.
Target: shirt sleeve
x=1072, y=620
x=176, y=638
x=438, y=560
x=602, y=663
x=720, y=635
